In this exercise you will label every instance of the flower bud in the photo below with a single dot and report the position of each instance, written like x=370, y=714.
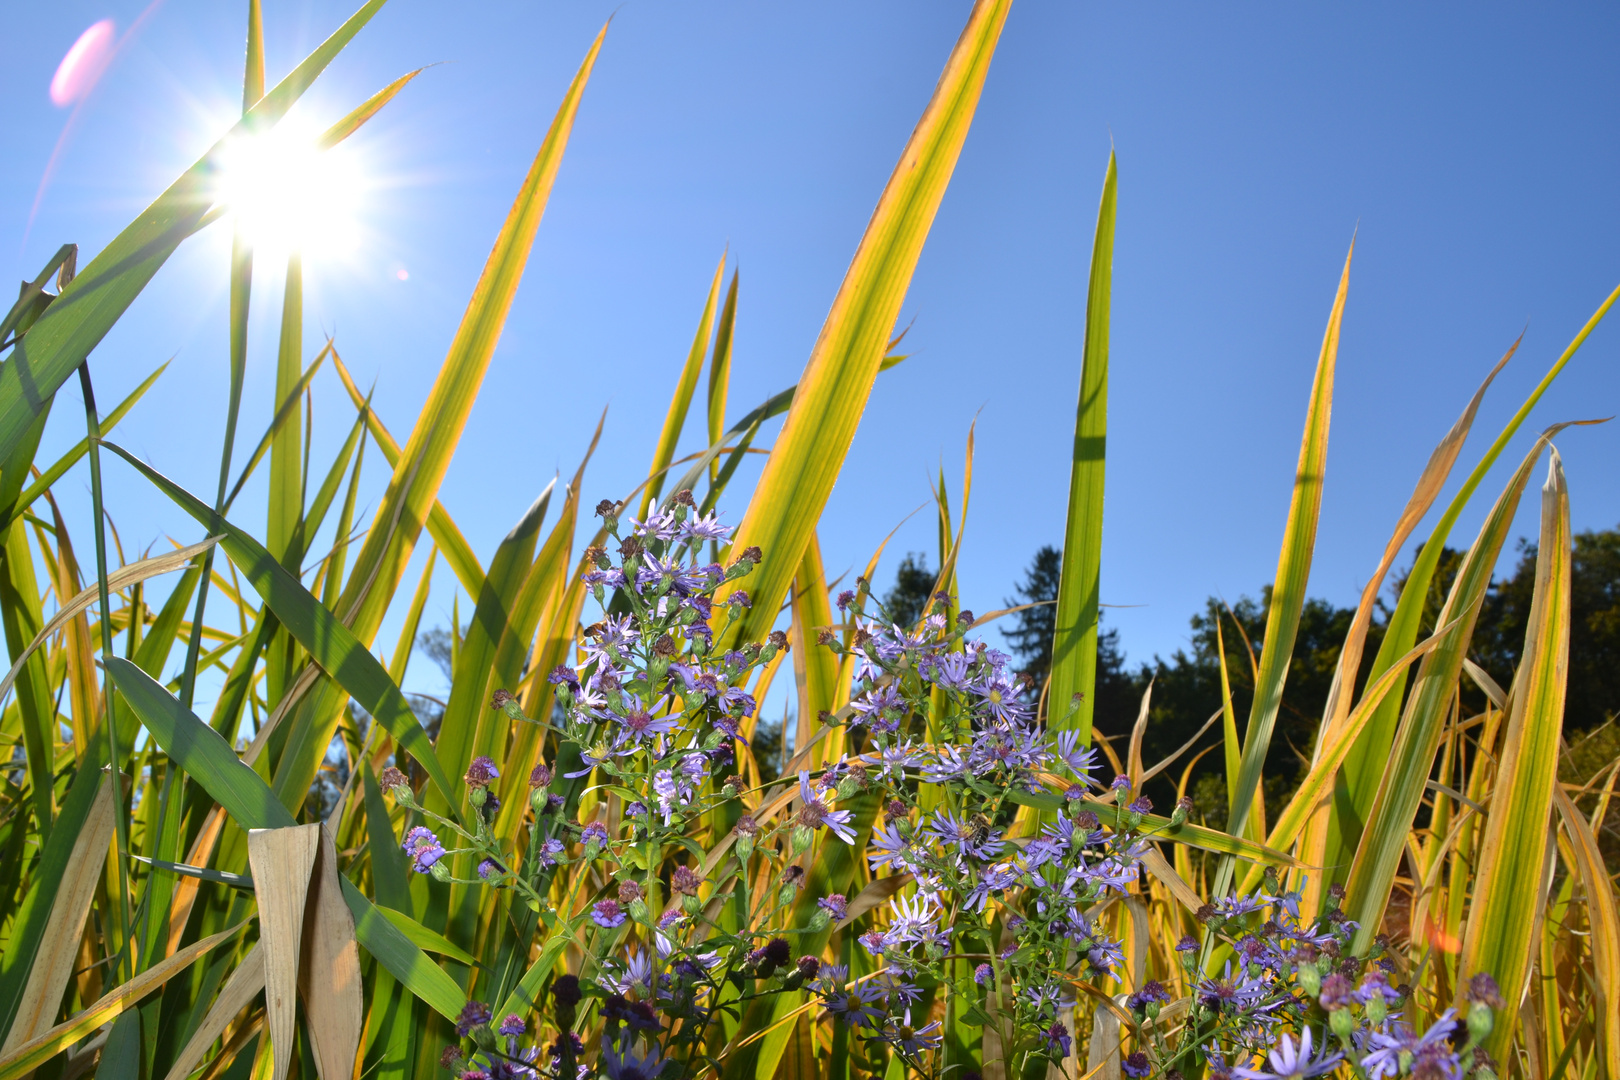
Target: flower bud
x=785, y=895
x=638, y=910
x=477, y=796
x=819, y=921
x=1341, y=1022
x=801, y=839
x=745, y=848
x=1377, y=1009
x=691, y=905
x=440, y=871
x=1480, y=1021
x=1310, y=980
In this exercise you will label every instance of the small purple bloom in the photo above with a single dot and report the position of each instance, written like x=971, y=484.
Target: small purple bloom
x=473, y=1014
x=423, y=847
x=513, y=1024
x=607, y=914
x=834, y=905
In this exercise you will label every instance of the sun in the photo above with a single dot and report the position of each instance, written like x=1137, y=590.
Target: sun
x=289, y=194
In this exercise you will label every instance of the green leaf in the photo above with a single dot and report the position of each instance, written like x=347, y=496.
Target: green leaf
x=1074, y=642
x=321, y=633
x=390, y=947
x=425, y=939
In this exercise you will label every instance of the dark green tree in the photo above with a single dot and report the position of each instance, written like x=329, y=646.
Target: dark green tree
x=913, y=585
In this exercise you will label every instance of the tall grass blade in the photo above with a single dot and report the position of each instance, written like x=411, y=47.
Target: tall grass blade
x=838, y=378
x=1293, y=569
x=720, y=369
x=675, y=418
x=1502, y=915
x=1071, y=699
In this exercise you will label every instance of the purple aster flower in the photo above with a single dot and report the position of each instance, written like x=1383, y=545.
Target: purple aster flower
x=1288, y=1062
x=1134, y=1066
x=975, y=838
x=513, y=1024
x=423, y=848
x=594, y=831
x=659, y=524
x=490, y=870
x=983, y=974
x=611, y=578
x=481, y=772
x=607, y=914
x=549, y=851
x=912, y=1041
x=1231, y=992
x=473, y=1014
x=813, y=813
x=1433, y=1049
x=854, y=1007
x=706, y=528
x=1081, y=760
x=873, y=941
x=1060, y=1044
x=620, y=1064
x=1187, y=944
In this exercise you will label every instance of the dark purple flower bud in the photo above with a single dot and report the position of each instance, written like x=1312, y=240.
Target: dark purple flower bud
x=1121, y=783
x=451, y=1055
x=683, y=497
x=563, y=675
x=793, y=875
x=747, y=826
x=809, y=967
x=473, y=1014
x=834, y=905
x=490, y=870
x=481, y=772
x=565, y=991
x=606, y=508
x=1085, y=820
x=392, y=778
x=685, y=881
x=500, y=699
x=1338, y=992
x=1136, y=1066
x=1057, y=1038
x=475, y=1074
x=964, y=618
x=846, y=598
x=540, y=775
x=775, y=954
x=1187, y=944
x=778, y=638
x=629, y=892
x=1142, y=805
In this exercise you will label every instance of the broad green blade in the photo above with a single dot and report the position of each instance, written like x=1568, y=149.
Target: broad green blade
x=805, y=462
x=675, y=419
x=75, y=323
x=390, y=868
x=331, y=644
x=1293, y=570
x=1072, y=696
x=1508, y=891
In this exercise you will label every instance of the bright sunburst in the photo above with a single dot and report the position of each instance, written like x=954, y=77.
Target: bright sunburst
x=288, y=194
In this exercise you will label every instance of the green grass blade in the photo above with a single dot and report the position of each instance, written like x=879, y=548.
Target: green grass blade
x=838, y=378
x=1364, y=767
x=198, y=749
x=1293, y=569
x=390, y=868
x=1411, y=758
x=401, y=956
x=1074, y=642
x=675, y=418
x=364, y=111
x=87, y=308
x=331, y=644
x=1507, y=892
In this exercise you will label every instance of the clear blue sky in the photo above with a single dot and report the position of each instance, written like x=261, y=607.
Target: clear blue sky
x=1474, y=147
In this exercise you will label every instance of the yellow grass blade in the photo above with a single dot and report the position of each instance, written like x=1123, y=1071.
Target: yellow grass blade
x=720, y=371
x=1604, y=922
x=837, y=380
x=59, y=947
x=814, y=666
x=1502, y=915
x=282, y=861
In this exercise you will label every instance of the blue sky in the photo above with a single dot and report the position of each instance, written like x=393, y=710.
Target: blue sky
x=1471, y=150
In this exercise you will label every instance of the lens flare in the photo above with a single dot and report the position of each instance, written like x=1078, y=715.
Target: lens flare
x=83, y=64
x=287, y=193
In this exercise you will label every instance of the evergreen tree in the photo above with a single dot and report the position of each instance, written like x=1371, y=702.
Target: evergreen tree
x=913, y=585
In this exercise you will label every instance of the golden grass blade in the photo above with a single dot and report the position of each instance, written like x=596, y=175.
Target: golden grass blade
x=1293, y=570
x=253, y=67
x=720, y=371
x=413, y=620
x=121, y=578
x=53, y=964
x=1604, y=922
x=1071, y=697
x=1400, y=790
x=675, y=419
x=364, y=111
x=814, y=665
x=239, y=990
x=31, y=1055
x=837, y=380
x=283, y=861
x=426, y=456
x=329, y=970
x=1502, y=915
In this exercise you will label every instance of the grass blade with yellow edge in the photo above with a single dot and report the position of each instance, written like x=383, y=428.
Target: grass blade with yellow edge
x=720, y=369
x=98, y=296
x=1074, y=640
x=1604, y=921
x=1502, y=915
x=1293, y=572
x=458, y=554
x=675, y=419
x=1411, y=759
x=426, y=455
x=1322, y=842
x=815, y=667
x=831, y=395
x=1364, y=767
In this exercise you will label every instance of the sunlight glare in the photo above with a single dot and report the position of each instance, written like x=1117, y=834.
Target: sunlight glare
x=287, y=194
